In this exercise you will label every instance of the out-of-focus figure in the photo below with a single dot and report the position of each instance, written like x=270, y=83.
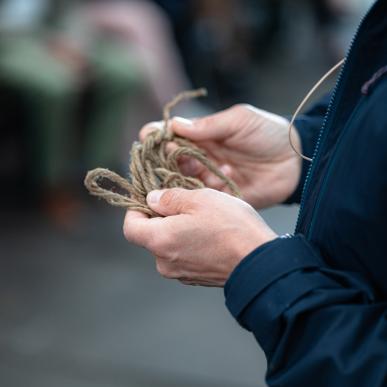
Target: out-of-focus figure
x=220, y=42
x=70, y=69
x=72, y=72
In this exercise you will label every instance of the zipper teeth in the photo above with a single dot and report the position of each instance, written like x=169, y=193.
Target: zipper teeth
x=316, y=149
x=323, y=127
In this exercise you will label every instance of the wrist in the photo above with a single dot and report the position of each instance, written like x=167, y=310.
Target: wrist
x=247, y=245
x=249, y=248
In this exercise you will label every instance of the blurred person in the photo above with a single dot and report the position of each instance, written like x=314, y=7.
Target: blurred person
x=222, y=39
x=48, y=65
x=143, y=25
x=76, y=65
x=316, y=301
x=217, y=40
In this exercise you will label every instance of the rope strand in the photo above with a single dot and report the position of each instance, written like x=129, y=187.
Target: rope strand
x=151, y=167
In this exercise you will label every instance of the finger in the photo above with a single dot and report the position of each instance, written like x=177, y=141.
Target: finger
x=213, y=127
x=138, y=228
x=187, y=165
x=215, y=182
x=199, y=282
x=149, y=128
x=188, y=282
x=170, y=147
x=172, y=201
x=191, y=167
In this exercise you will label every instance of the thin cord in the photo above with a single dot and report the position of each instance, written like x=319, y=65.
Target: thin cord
x=183, y=96
x=303, y=103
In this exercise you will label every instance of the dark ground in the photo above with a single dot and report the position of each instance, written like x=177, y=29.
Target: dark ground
x=84, y=308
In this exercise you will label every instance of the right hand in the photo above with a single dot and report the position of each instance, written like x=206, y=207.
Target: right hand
x=249, y=145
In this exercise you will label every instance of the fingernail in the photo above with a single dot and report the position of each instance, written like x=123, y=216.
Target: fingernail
x=183, y=122
x=153, y=197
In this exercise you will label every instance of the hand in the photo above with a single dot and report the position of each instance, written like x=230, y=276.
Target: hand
x=203, y=236
x=249, y=145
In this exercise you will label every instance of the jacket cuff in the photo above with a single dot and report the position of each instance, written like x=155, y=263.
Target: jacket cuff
x=265, y=265
x=268, y=281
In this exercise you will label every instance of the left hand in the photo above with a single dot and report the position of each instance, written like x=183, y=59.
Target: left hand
x=203, y=236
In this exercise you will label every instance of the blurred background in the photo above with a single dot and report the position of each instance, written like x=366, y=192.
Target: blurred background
x=78, y=305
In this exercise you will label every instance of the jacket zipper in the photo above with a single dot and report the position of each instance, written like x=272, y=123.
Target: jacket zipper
x=332, y=161
x=328, y=115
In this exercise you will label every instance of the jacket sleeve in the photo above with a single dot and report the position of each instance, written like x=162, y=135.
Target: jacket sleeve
x=308, y=126
x=318, y=327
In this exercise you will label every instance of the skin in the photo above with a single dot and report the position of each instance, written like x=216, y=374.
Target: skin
x=202, y=235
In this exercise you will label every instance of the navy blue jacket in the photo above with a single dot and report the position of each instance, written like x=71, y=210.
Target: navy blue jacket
x=317, y=302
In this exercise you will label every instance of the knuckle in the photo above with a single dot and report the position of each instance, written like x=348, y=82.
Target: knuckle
x=160, y=268
x=173, y=257
x=204, y=195
x=163, y=270
x=161, y=244
x=170, y=197
x=187, y=281
x=127, y=232
x=203, y=191
x=242, y=107
x=149, y=128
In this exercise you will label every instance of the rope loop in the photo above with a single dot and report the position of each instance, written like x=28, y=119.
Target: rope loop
x=152, y=167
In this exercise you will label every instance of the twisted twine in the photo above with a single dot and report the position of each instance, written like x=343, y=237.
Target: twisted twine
x=152, y=167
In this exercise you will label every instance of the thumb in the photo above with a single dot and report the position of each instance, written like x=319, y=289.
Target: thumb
x=172, y=201
x=213, y=127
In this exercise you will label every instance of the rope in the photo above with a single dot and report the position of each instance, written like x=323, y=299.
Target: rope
x=152, y=167
x=303, y=103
